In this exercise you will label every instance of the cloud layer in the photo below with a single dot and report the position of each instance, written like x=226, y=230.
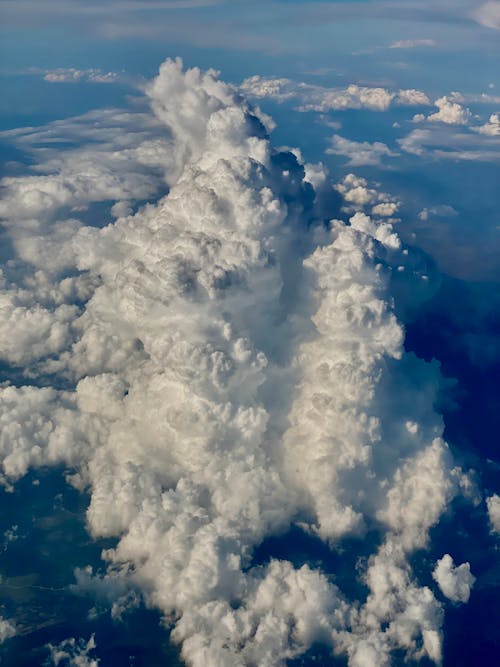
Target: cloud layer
x=318, y=98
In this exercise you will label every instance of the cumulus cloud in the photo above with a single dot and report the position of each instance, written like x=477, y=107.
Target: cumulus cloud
x=74, y=653
x=359, y=152
x=455, y=582
x=232, y=365
x=318, y=98
x=493, y=505
x=7, y=629
x=450, y=112
x=491, y=127
x=359, y=196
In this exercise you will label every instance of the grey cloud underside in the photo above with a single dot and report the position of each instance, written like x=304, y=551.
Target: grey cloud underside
x=233, y=366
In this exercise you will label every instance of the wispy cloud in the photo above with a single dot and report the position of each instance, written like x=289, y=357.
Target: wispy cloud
x=73, y=75
x=412, y=43
x=360, y=152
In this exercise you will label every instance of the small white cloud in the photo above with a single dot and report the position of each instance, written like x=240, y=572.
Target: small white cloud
x=455, y=582
x=412, y=97
x=74, y=653
x=450, y=112
x=439, y=211
x=7, y=629
x=359, y=152
x=493, y=505
x=412, y=43
x=73, y=75
x=491, y=128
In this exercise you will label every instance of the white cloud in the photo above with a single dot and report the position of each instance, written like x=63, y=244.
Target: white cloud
x=386, y=209
x=493, y=505
x=318, y=98
x=455, y=582
x=488, y=14
x=359, y=152
x=74, y=653
x=450, y=112
x=491, y=128
x=412, y=43
x=446, y=142
x=7, y=629
x=358, y=196
x=438, y=211
x=73, y=75
x=234, y=367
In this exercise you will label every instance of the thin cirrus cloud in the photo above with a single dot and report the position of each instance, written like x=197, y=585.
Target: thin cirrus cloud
x=233, y=366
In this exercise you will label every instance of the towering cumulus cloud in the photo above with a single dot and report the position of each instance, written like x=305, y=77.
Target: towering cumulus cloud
x=219, y=366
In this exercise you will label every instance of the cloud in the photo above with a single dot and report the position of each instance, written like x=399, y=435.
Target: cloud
x=412, y=43
x=493, y=505
x=488, y=14
x=359, y=197
x=72, y=75
x=223, y=364
x=318, y=98
x=446, y=142
x=439, y=211
x=450, y=112
x=491, y=128
x=455, y=582
x=359, y=153
x=74, y=653
x=7, y=629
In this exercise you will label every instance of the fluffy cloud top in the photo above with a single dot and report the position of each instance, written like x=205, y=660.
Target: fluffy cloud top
x=317, y=98
x=439, y=211
x=455, y=582
x=491, y=128
x=450, y=112
x=74, y=653
x=232, y=365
